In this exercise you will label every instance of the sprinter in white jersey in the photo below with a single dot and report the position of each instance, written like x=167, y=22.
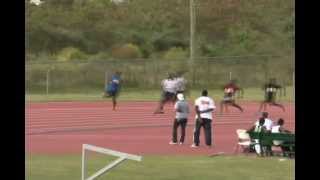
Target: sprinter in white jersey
x=181, y=82
x=169, y=89
x=204, y=107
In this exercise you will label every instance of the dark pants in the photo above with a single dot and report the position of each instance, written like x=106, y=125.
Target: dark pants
x=206, y=124
x=176, y=124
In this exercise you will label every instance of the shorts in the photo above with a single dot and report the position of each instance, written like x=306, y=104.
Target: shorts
x=168, y=96
x=269, y=98
x=228, y=99
x=112, y=93
x=183, y=120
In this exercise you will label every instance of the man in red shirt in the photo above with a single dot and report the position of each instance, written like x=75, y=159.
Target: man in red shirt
x=230, y=91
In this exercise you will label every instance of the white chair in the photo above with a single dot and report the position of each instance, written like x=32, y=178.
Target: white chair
x=244, y=141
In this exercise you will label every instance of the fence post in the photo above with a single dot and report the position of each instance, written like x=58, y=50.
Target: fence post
x=47, y=81
x=230, y=75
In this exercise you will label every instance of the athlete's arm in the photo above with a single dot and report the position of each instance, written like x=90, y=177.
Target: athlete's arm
x=208, y=110
x=241, y=92
x=251, y=129
x=211, y=107
x=198, y=113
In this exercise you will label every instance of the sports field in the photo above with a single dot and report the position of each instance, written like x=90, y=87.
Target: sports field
x=55, y=132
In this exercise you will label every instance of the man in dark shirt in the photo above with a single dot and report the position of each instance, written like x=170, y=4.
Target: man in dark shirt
x=230, y=91
x=270, y=90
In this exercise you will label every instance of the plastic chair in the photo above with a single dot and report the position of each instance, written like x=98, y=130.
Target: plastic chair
x=244, y=141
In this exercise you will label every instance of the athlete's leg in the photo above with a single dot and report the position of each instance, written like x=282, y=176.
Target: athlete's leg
x=196, y=133
x=226, y=107
x=207, y=131
x=183, y=130
x=278, y=105
x=237, y=106
x=161, y=103
x=221, y=106
x=263, y=105
x=114, y=102
x=174, y=131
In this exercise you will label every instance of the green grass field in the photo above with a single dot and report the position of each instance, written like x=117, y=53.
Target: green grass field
x=250, y=94
x=63, y=167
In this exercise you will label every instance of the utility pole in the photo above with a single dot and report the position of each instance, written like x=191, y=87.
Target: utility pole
x=192, y=33
x=192, y=30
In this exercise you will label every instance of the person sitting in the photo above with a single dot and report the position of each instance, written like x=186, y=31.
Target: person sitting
x=280, y=129
x=258, y=127
x=268, y=123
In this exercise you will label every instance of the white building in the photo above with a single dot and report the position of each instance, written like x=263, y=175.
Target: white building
x=36, y=2
x=117, y=1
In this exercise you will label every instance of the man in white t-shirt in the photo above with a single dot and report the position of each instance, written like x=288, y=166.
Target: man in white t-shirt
x=280, y=129
x=204, y=107
x=268, y=123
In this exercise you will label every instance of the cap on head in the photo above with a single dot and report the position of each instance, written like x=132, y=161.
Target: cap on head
x=180, y=96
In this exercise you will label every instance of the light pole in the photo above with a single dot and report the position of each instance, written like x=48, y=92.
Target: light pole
x=192, y=30
x=192, y=40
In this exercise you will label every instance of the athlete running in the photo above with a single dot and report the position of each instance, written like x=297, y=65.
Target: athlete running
x=169, y=90
x=270, y=91
x=230, y=91
x=112, y=88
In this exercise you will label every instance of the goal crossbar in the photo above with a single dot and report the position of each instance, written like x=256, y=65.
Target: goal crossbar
x=122, y=157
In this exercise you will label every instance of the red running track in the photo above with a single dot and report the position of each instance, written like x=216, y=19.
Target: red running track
x=62, y=127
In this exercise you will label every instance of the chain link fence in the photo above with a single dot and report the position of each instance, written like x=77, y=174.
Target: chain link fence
x=143, y=74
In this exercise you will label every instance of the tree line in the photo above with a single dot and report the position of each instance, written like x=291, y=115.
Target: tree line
x=62, y=30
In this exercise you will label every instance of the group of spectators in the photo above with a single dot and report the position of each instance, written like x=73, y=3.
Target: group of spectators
x=265, y=124
x=204, y=106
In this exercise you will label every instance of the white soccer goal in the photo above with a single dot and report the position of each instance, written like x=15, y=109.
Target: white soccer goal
x=122, y=157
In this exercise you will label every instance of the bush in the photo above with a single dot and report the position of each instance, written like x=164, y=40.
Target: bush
x=175, y=53
x=100, y=56
x=126, y=51
x=70, y=53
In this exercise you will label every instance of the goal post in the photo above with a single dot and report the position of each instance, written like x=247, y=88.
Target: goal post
x=122, y=157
